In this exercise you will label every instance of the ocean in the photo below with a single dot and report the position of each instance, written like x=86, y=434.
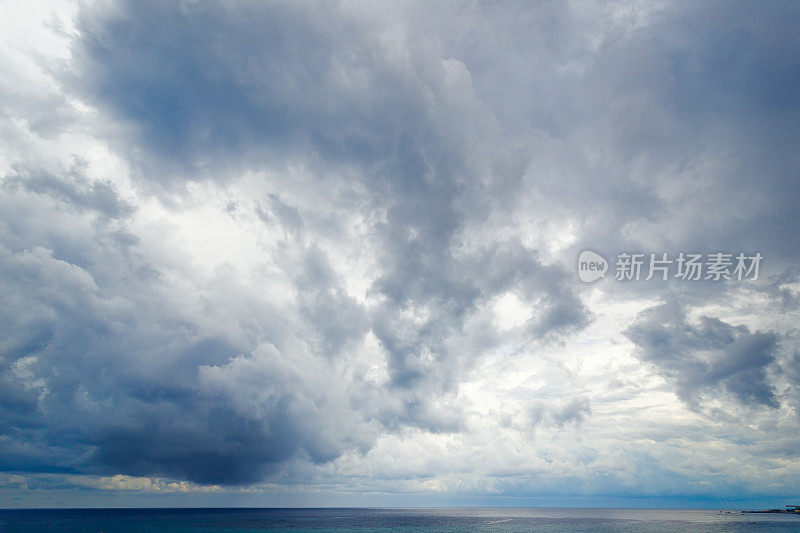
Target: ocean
x=411, y=520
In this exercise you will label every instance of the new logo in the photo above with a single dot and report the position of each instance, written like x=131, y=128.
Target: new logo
x=591, y=266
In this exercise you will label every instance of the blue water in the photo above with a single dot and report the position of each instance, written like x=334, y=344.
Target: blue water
x=411, y=520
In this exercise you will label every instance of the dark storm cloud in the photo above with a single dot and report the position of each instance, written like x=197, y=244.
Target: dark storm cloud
x=115, y=371
x=105, y=368
x=286, y=79
x=433, y=130
x=711, y=354
x=721, y=81
x=209, y=86
x=673, y=129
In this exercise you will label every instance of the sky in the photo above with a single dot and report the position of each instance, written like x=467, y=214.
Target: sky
x=326, y=253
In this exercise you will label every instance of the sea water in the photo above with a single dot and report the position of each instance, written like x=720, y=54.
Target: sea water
x=411, y=520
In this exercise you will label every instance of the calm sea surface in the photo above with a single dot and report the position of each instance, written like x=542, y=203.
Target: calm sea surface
x=416, y=520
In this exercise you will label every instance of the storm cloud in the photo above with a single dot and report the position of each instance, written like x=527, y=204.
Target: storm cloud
x=310, y=247
x=710, y=354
